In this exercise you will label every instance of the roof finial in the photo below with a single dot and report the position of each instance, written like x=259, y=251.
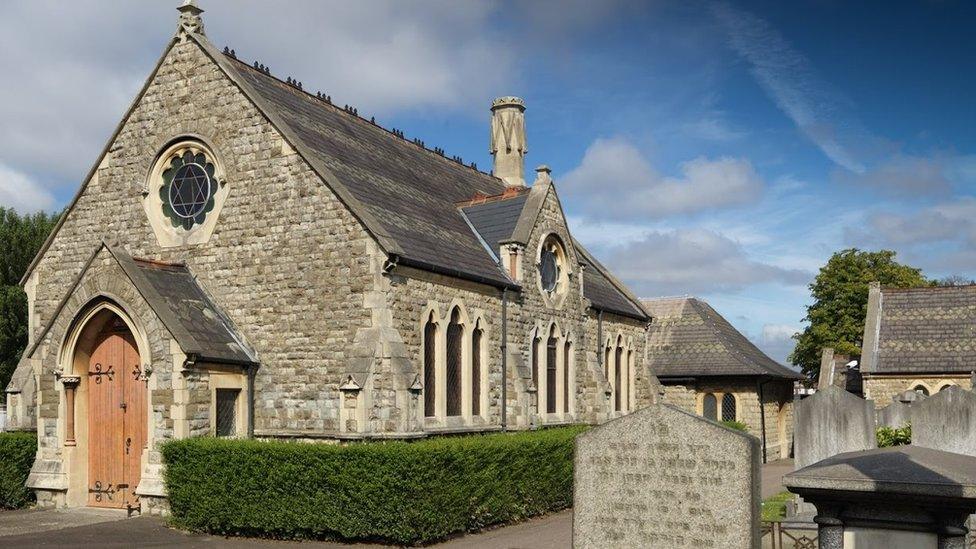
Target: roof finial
x=190, y=20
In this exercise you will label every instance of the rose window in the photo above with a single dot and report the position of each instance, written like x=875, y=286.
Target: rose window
x=188, y=189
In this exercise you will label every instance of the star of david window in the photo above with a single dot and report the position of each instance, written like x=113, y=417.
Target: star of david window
x=188, y=189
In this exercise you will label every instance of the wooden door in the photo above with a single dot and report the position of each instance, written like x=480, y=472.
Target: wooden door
x=117, y=421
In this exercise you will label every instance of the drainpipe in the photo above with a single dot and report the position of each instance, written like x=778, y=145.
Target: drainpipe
x=504, y=348
x=762, y=414
x=251, y=373
x=599, y=340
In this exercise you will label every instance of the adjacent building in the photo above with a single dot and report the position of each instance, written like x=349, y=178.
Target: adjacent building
x=708, y=367
x=919, y=339
x=246, y=258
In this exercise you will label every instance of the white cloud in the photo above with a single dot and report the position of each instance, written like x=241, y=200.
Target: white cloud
x=73, y=67
x=776, y=340
x=793, y=85
x=693, y=261
x=21, y=193
x=615, y=181
x=907, y=175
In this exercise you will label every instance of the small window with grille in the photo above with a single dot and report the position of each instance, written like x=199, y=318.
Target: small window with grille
x=728, y=407
x=227, y=412
x=710, y=407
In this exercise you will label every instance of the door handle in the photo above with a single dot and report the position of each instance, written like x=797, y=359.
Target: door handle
x=128, y=444
x=123, y=406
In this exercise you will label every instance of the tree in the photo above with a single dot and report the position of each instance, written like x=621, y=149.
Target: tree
x=21, y=237
x=840, y=298
x=955, y=280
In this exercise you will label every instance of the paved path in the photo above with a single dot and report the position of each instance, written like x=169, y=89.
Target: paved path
x=90, y=528
x=772, y=476
x=108, y=528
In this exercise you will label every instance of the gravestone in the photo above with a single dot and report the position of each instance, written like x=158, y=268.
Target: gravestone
x=946, y=421
x=661, y=477
x=830, y=422
x=898, y=413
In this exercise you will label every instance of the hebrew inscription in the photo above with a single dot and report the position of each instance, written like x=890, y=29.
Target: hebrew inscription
x=663, y=478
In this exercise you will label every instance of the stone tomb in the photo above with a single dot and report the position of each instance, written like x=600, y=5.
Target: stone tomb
x=661, y=477
x=830, y=422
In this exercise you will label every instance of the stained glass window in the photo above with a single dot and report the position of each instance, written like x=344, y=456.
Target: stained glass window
x=188, y=189
x=548, y=270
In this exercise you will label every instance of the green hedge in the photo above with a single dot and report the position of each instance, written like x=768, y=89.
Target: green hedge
x=16, y=458
x=395, y=492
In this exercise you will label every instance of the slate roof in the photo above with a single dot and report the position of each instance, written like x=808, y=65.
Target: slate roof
x=927, y=330
x=202, y=331
x=495, y=220
x=688, y=338
x=405, y=194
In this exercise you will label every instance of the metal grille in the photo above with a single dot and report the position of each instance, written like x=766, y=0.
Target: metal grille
x=566, y=353
x=551, y=374
x=728, y=407
x=454, y=367
x=710, y=407
x=227, y=412
x=430, y=333
x=476, y=372
x=617, y=386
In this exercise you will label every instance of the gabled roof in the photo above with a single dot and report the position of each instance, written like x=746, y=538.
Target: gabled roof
x=404, y=195
x=495, y=217
x=931, y=330
x=688, y=338
x=202, y=331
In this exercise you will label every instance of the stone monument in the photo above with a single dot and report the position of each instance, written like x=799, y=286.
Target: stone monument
x=830, y=422
x=661, y=477
x=946, y=421
x=905, y=497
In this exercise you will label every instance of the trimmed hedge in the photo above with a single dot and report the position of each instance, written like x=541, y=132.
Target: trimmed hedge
x=394, y=492
x=17, y=452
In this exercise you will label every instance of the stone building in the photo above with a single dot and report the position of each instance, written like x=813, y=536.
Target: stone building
x=919, y=339
x=246, y=258
x=709, y=368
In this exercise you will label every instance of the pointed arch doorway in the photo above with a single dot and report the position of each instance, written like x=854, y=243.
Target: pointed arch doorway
x=116, y=410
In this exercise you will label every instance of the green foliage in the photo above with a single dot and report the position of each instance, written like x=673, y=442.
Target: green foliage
x=395, y=492
x=840, y=297
x=891, y=436
x=21, y=238
x=737, y=425
x=16, y=458
x=774, y=507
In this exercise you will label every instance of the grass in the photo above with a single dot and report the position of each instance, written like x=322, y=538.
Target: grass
x=774, y=508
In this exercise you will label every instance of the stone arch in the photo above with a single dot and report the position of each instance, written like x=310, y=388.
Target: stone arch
x=479, y=366
x=75, y=352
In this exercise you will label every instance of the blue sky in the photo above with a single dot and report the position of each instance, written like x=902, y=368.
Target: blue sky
x=718, y=149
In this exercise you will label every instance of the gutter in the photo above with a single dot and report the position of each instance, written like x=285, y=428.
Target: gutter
x=423, y=265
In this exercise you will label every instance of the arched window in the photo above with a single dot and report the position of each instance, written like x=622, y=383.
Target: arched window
x=728, y=407
x=710, y=407
x=630, y=381
x=567, y=376
x=535, y=371
x=454, y=336
x=618, y=387
x=921, y=389
x=476, y=370
x=551, y=372
x=606, y=363
x=430, y=365
x=944, y=387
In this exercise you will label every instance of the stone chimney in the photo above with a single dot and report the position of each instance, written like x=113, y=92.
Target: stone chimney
x=190, y=20
x=508, y=140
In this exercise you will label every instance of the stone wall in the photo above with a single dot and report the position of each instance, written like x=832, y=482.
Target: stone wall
x=287, y=262
x=777, y=404
x=882, y=388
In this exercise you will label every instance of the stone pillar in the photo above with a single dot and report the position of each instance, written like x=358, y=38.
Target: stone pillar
x=830, y=529
x=508, y=144
x=952, y=532
x=70, y=386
